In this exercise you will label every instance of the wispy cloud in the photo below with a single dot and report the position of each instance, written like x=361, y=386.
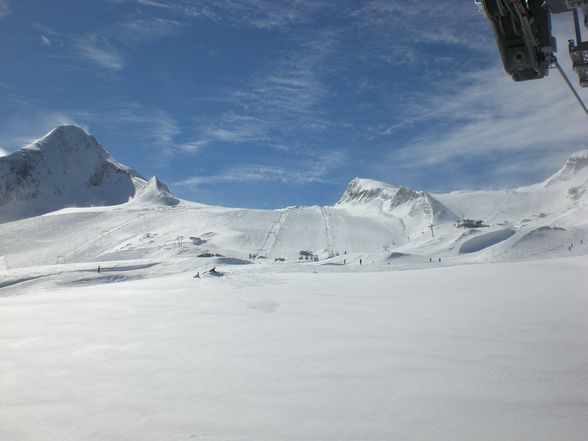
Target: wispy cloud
x=509, y=133
x=45, y=29
x=523, y=167
x=142, y=29
x=235, y=128
x=269, y=14
x=295, y=86
x=474, y=126
x=163, y=128
x=398, y=24
x=255, y=173
x=278, y=102
x=17, y=131
x=97, y=50
x=192, y=146
x=299, y=172
x=481, y=113
x=151, y=131
x=415, y=21
x=294, y=95
x=155, y=3
x=263, y=14
x=4, y=8
x=103, y=48
x=290, y=96
x=153, y=127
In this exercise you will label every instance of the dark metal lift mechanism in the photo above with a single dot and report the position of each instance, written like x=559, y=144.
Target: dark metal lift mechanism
x=579, y=51
x=523, y=34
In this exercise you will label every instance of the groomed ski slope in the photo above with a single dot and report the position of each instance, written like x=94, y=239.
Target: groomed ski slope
x=471, y=352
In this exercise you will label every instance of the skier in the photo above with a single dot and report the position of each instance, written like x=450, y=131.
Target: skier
x=98, y=269
x=360, y=261
x=197, y=275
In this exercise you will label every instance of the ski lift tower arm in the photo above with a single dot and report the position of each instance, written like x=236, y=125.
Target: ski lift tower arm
x=522, y=29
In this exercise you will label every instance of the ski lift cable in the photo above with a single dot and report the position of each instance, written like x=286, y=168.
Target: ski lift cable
x=570, y=85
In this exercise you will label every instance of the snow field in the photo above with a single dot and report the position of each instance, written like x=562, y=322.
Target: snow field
x=481, y=352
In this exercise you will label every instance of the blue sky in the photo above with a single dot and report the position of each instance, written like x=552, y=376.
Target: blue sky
x=268, y=103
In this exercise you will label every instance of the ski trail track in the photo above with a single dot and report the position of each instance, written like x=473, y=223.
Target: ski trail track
x=302, y=230
x=103, y=235
x=339, y=230
x=328, y=232
x=272, y=235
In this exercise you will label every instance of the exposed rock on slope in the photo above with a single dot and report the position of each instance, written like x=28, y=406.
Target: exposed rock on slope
x=65, y=168
x=394, y=199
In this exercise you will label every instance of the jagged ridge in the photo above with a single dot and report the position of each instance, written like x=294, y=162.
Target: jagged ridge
x=364, y=191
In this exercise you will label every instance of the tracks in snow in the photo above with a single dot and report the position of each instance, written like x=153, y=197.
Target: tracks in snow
x=272, y=235
x=105, y=234
x=328, y=233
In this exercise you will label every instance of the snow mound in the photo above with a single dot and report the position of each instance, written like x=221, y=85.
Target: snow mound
x=485, y=240
x=545, y=241
x=543, y=233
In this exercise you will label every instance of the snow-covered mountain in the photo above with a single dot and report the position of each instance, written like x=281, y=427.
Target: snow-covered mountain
x=65, y=168
x=153, y=193
x=97, y=210
x=399, y=201
x=573, y=170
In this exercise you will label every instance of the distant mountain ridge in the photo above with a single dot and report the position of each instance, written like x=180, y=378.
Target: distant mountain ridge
x=69, y=168
x=394, y=199
x=372, y=220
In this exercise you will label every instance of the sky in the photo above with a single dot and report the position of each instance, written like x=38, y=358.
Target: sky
x=271, y=103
